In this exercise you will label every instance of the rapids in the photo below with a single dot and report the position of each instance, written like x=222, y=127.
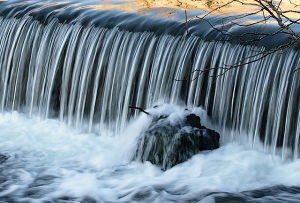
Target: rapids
x=51, y=162
x=69, y=72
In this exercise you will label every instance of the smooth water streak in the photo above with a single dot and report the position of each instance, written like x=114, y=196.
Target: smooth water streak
x=88, y=75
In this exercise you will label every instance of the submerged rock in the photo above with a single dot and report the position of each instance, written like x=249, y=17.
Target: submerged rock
x=166, y=143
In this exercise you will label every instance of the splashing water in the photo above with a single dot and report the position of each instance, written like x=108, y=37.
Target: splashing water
x=50, y=161
x=82, y=68
x=79, y=73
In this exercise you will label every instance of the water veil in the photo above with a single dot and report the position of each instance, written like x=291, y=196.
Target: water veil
x=68, y=75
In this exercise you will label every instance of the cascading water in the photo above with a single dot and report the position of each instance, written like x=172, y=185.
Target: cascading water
x=87, y=74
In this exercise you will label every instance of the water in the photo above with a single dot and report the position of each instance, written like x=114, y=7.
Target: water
x=49, y=161
x=69, y=74
x=86, y=73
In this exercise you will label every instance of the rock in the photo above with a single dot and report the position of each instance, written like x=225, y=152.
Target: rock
x=167, y=144
x=193, y=120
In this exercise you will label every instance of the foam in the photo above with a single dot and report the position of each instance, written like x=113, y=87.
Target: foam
x=49, y=160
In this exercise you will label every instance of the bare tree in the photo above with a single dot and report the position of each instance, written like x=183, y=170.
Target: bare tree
x=285, y=14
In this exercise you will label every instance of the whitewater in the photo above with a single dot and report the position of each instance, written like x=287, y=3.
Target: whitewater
x=69, y=73
x=51, y=162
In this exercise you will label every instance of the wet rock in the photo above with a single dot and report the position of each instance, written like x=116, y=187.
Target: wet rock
x=193, y=120
x=167, y=143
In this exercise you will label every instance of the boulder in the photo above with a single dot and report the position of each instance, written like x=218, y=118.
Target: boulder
x=167, y=144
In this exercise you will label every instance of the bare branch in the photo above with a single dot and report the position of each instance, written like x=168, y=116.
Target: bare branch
x=295, y=5
x=141, y=109
x=269, y=11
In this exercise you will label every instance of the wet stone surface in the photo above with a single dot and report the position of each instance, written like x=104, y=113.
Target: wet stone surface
x=167, y=144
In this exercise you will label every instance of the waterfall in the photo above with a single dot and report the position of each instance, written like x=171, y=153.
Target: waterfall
x=88, y=75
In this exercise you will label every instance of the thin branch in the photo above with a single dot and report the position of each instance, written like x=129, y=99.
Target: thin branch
x=270, y=11
x=295, y=5
x=141, y=109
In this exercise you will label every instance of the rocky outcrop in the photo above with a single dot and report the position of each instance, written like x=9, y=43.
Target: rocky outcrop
x=167, y=143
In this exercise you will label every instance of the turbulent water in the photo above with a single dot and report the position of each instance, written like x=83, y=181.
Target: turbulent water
x=51, y=162
x=87, y=74
x=68, y=75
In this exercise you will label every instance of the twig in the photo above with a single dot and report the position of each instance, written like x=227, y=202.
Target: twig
x=141, y=109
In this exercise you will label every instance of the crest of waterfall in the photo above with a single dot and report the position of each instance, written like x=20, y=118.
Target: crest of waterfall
x=86, y=74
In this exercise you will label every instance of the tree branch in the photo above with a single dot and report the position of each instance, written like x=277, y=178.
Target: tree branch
x=141, y=109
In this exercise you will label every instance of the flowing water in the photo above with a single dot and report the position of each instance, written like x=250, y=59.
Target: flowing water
x=68, y=76
x=51, y=162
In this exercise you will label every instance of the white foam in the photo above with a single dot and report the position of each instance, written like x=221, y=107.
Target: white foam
x=100, y=167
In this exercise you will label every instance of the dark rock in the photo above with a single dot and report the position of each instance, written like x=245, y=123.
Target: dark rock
x=167, y=144
x=193, y=120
